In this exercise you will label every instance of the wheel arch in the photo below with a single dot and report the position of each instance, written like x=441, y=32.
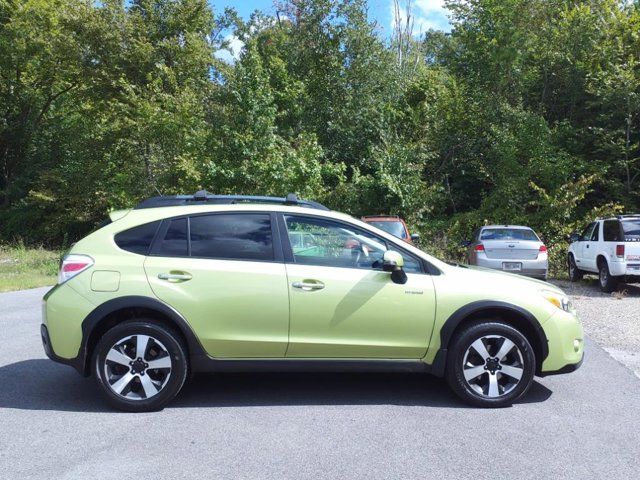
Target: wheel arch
x=116, y=311
x=601, y=257
x=513, y=315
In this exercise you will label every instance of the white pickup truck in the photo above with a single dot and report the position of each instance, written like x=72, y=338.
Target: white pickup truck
x=609, y=247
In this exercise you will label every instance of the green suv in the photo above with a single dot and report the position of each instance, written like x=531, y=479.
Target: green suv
x=210, y=283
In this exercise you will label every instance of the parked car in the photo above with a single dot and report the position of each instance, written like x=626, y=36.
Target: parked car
x=393, y=225
x=208, y=283
x=510, y=248
x=608, y=247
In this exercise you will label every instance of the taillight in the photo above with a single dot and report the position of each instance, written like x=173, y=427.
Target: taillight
x=72, y=265
x=542, y=249
x=620, y=251
x=479, y=248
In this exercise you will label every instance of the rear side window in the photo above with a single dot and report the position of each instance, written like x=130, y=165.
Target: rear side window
x=174, y=241
x=611, y=231
x=232, y=236
x=137, y=239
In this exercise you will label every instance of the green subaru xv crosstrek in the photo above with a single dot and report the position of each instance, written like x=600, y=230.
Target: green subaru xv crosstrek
x=209, y=283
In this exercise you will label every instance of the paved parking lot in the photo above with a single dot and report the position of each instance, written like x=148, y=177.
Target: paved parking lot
x=54, y=424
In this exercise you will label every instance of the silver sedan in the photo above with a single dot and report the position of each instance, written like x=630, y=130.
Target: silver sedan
x=511, y=248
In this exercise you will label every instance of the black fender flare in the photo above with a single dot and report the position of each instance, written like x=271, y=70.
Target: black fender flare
x=451, y=324
x=105, y=309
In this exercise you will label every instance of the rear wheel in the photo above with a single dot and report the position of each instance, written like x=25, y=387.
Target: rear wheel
x=490, y=364
x=575, y=274
x=140, y=365
x=608, y=283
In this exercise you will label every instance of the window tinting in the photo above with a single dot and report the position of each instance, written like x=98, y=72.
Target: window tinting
x=595, y=236
x=137, y=239
x=174, y=243
x=233, y=236
x=611, y=230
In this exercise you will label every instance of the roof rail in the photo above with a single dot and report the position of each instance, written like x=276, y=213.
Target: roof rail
x=204, y=197
x=632, y=215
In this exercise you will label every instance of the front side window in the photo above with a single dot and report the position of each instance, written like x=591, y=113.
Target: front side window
x=317, y=241
x=232, y=236
x=595, y=236
x=586, y=233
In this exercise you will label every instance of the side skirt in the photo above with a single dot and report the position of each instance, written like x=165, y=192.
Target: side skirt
x=206, y=364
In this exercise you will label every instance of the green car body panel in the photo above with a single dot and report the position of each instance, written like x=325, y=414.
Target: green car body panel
x=240, y=309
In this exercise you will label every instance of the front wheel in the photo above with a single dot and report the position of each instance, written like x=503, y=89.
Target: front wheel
x=608, y=283
x=140, y=365
x=490, y=364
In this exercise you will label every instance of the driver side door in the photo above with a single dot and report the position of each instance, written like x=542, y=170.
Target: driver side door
x=342, y=305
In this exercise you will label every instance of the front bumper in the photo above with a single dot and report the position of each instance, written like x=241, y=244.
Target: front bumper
x=566, y=343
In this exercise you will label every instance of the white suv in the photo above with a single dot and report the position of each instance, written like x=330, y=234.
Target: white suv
x=609, y=247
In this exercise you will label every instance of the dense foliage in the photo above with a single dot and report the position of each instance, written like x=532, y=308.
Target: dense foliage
x=527, y=112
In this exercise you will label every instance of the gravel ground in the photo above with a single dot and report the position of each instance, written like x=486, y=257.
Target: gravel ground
x=612, y=320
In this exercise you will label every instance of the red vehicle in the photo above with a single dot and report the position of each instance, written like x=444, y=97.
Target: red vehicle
x=393, y=225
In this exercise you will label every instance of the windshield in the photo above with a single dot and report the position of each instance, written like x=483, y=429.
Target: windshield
x=395, y=228
x=508, y=234
x=631, y=230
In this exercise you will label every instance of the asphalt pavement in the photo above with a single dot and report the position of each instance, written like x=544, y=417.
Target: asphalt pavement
x=54, y=424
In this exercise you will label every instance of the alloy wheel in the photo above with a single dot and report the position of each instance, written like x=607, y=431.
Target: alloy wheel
x=137, y=367
x=493, y=366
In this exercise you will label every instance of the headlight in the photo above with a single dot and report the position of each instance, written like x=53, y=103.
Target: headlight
x=558, y=299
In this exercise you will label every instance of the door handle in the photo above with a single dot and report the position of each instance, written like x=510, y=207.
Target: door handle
x=587, y=246
x=176, y=277
x=308, y=285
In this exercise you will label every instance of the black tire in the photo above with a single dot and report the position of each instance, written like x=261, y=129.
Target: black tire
x=164, y=342
x=509, y=391
x=607, y=282
x=575, y=274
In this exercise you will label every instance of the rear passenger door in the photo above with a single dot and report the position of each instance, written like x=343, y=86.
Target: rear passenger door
x=224, y=273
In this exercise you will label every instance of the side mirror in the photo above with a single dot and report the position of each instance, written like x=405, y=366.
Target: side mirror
x=574, y=237
x=394, y=263
x=415, y=237
x=465, y=243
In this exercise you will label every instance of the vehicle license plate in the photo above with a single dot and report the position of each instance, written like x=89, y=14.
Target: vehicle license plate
x=512, y=266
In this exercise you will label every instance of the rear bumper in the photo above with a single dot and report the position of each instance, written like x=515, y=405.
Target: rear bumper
x=48, y=350
x=532, y=268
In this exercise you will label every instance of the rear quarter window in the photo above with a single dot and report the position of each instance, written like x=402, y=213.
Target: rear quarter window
x=611, y=230
x=137, y=239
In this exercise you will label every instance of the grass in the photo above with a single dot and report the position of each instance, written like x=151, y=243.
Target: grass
x=22, y=267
